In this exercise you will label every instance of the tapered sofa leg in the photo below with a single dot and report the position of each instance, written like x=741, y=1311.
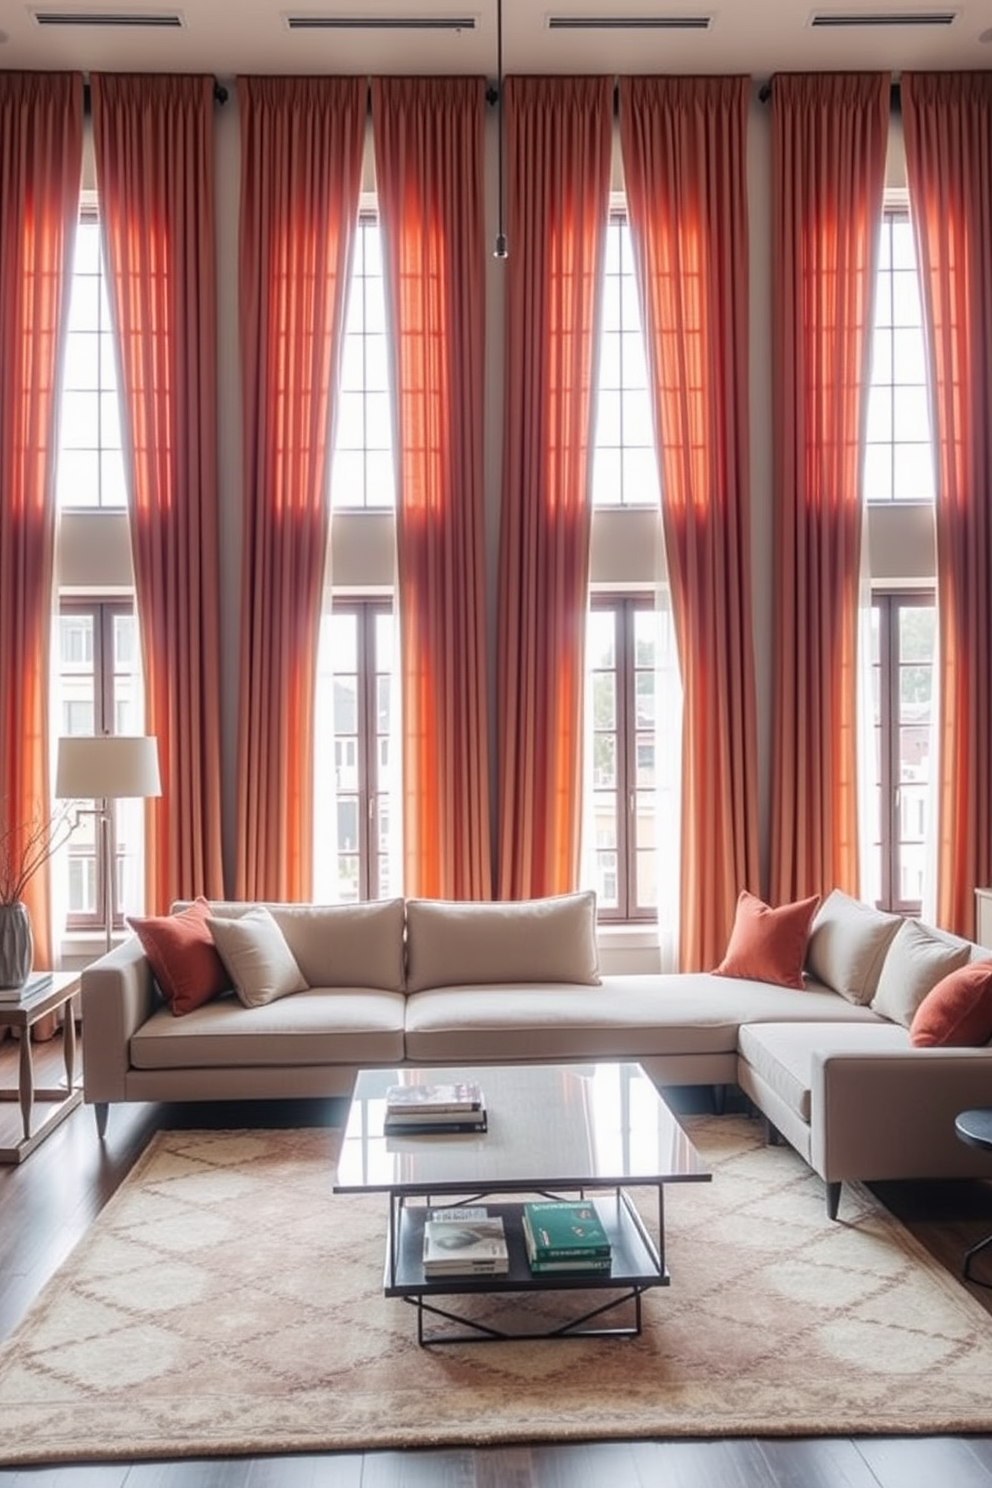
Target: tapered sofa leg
x=101, y=1111
x=833, y=1199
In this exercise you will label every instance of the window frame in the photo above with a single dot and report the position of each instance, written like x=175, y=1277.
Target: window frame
x=889, y=604
x=624, y=605
x=104, y=611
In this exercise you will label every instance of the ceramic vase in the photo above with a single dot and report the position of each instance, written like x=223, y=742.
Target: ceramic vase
x=16, y=944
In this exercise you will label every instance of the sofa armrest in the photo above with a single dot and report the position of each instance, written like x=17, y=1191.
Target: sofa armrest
x=118, y=995
x=891, y=1114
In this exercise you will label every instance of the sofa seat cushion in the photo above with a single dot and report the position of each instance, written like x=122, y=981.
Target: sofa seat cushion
x=628, y=1016
x=319, y=1026
x=781, y=1054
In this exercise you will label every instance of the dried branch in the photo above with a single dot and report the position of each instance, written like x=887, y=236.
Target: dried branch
x=26, y=846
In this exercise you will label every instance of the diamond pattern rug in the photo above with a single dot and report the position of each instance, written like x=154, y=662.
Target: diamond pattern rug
x=226, y=1302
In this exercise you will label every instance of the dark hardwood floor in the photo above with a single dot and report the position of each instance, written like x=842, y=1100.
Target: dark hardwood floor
x=47, y=1203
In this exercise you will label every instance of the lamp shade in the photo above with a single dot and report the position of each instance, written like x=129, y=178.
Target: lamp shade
x=109, y=766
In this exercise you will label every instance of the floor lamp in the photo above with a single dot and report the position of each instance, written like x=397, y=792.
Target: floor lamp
x=108, y=767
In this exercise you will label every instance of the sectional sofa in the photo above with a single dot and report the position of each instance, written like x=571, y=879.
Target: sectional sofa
x=290, y=1000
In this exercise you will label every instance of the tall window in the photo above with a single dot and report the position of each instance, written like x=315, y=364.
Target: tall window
x=91, y=463
x=623, y=658
x=625, y=466
x=98, y=693
x=898, y=453
x=362, y=473
x=903, y=646
x=354, y=719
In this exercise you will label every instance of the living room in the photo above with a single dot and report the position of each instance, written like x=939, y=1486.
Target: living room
x=94, y=561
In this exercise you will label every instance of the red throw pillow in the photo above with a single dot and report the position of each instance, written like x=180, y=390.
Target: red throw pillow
x=183, y=957
x=957, y=1011
x=769, y=945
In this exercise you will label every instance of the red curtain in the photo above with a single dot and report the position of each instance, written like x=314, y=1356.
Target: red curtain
x=301, y=159
x=153, y=141
x=41, y=132
x=947, y=121
x=428, y=145
x=685, y=169
x=558, y=142
x=828, y=171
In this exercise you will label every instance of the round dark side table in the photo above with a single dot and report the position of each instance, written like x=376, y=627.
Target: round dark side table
x=975, y=1128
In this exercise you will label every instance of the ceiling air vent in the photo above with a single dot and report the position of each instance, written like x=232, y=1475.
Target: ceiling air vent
x=315, y=22
x=629, y=23
x=838, y=19
x=168, y=20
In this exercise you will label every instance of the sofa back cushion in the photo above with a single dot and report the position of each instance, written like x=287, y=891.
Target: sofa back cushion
x=346, y=945
x=917, y=960
x=455, y=943
x=847, y=946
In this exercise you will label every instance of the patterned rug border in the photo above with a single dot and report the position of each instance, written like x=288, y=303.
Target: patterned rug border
x=919, y=1385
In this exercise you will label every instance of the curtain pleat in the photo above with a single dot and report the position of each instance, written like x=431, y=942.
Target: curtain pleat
x=301, y=160
x=685, y=170
x=153, y=143
x=41, y=134
x=558, y=144
x=947, y=123
x=428, y=148
x=828, y=172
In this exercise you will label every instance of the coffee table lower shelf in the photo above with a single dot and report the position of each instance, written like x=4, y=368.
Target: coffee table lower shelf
x=636, y=1267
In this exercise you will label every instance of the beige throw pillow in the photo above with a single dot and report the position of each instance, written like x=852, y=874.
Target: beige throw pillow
x=346, y=945
x=847, y=945
x=528, y=940
x=917, y=960
x=254, y=950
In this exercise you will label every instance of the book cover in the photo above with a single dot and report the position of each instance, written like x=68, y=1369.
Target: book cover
x=461, y=1095
x=581, y=1266
x=454, y=1247
x=563, y=1230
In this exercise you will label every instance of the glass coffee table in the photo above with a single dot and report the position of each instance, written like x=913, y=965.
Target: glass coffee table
x=555, y=1131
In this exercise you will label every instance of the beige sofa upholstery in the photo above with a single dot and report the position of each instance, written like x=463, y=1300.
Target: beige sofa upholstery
x=841, y=1083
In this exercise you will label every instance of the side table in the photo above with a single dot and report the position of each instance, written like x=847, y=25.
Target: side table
x=23, y=1015
x=975, y=1129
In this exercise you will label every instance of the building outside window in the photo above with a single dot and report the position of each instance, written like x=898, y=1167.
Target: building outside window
x=362, y=471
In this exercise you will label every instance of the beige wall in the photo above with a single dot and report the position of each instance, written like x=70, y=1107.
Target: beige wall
x=94, y=552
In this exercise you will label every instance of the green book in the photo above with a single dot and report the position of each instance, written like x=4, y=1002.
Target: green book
x=560, y=1230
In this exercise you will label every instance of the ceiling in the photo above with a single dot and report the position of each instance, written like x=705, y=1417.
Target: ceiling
x=759, y=37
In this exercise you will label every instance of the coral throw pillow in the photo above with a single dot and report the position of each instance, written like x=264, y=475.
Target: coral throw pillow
x=769, y=945
x=183, y=957
x=957, y=1011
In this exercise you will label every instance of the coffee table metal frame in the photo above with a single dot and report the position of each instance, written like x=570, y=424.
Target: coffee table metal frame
x=638, y=1259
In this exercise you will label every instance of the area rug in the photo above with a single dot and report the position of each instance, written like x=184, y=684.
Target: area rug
x=227, y=1302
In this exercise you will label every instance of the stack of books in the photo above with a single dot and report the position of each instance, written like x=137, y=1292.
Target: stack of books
x=565, y=1236
x=464, y=1242
x=455, y=1107
x=37, y=982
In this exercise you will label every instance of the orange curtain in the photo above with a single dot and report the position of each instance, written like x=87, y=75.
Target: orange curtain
x=828, y=172
x=558, y=143
x=428, y=144
x=685, y=170
x=153, y=142
x=41, y=135
x=947, y=120
x=301, y=162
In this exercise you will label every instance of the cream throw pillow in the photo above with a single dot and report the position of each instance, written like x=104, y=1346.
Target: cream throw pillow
x=847, y=945
x=916, y=962
x=254, y=950
x=467, y=943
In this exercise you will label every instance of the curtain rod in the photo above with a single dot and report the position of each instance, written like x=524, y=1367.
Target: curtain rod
x=895, y=96
x=220, y=95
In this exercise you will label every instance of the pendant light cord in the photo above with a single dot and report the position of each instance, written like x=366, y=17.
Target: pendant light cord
x=500, y=249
